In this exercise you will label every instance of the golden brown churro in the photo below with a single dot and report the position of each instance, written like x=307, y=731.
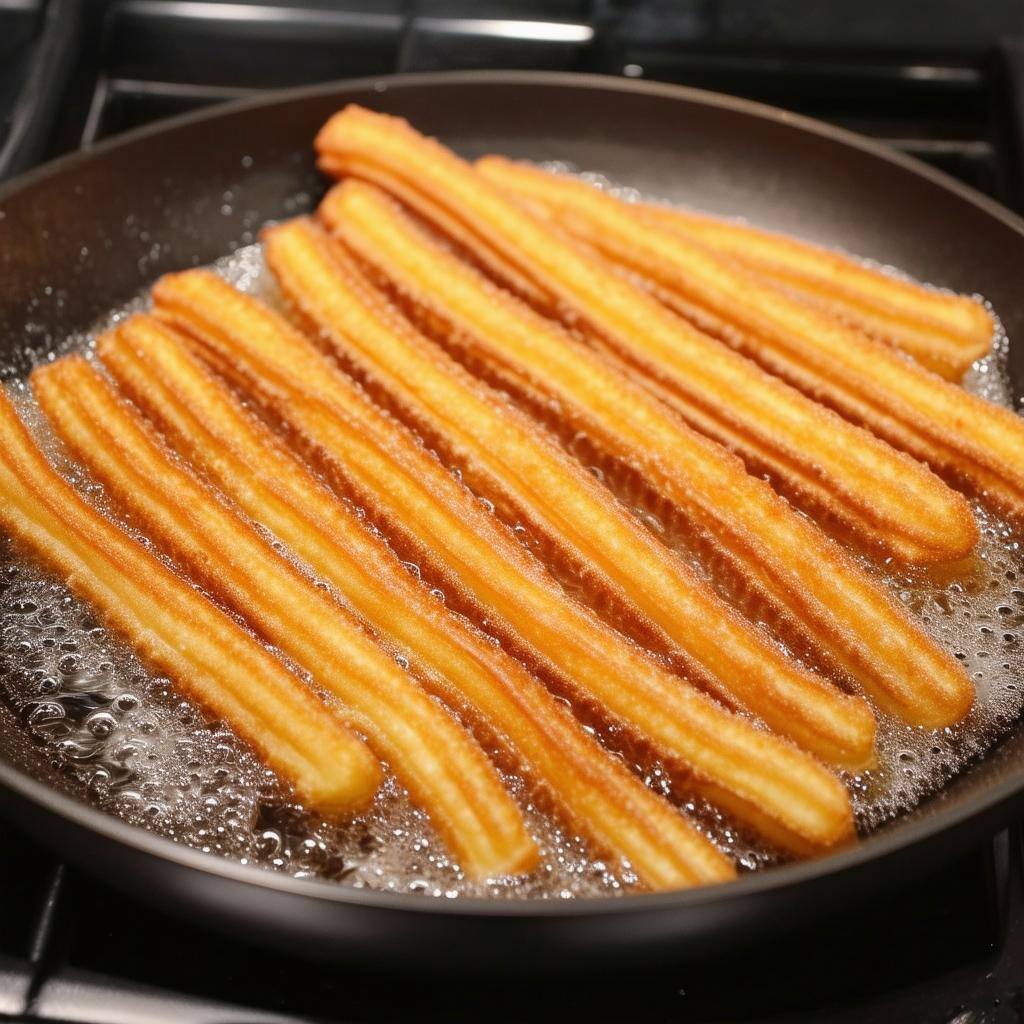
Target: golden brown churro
x=593, y=790
x=350, y=210
x=810, y=579
x=177, y=631
x=504, y=455
x=974, y=443
x=444, y=770
x=767, y=783
x=450, y=227
x=941, y=331
x=886, y=500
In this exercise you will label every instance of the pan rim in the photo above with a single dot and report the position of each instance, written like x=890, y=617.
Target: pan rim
x=878, y=846
x=384, y=83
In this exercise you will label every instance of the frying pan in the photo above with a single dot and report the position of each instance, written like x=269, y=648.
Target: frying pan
x=99, y=225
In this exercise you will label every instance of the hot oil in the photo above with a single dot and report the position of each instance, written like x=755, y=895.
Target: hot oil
x=978, y=615
x=125, y=741
x=102, y=728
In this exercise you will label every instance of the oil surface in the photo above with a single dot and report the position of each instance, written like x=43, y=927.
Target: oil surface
x=93, y=722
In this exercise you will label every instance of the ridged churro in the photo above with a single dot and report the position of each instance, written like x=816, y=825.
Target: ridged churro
x=179, y=632
x=944, y=332
x=817, y=460
x=450, y=227
x=973, y=443
x=350, y=209
x=593, y=791
x=501, y=453
x=764, y=781
x=849, y=617
x=444, y=770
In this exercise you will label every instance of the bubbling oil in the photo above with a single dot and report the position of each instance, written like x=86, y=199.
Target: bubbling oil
x=103, y=729
x=979, y=617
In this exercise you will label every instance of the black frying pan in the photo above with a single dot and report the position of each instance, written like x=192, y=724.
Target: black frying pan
x=86, y=226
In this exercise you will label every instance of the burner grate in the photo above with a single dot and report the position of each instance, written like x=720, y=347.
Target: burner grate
x=937, y=99
x=952, y=944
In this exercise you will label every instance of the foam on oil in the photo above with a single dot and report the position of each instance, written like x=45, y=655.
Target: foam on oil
x=978, y=617
x=102, y=728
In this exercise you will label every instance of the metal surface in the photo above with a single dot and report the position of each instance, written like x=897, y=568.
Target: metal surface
x=50, y=63
x=87, y=224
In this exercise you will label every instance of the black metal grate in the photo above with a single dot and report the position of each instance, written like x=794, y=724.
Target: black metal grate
x=934, y=81
x=929, y=81
x=952, y=944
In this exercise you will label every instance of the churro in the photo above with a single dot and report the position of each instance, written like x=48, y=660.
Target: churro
x=593, y=791
x=438, y=523
x=508, y=458
x=349, y=210
x=834, y=469
x=809, y=579
x=442, y=767
x=452, y=230
x=975, y=444
x=179, y=632
x=944, y=332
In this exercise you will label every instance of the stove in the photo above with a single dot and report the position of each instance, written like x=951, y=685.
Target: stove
x=931, y=79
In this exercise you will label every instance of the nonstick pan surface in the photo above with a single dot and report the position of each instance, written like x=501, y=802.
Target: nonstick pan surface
x=86, y=233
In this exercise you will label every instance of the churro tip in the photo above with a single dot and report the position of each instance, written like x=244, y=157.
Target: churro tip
x=351, y=795
x=337, y=121
x=956, y=707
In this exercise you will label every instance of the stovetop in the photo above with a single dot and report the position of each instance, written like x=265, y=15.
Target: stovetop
x=949, y=948
x=939, y=79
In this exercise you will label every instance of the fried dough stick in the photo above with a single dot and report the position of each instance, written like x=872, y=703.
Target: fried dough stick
x=179, y=632
x=490, y=327
x=974, y=443
x=451, y=229
x=850, y=513
x=820, y=460
x=444, y=770
x=511, y=459
x=767, y=783
x=593, y=790
x=807, y=578
x=943, y=332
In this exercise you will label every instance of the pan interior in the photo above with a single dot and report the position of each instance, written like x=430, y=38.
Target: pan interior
x=112, y=242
